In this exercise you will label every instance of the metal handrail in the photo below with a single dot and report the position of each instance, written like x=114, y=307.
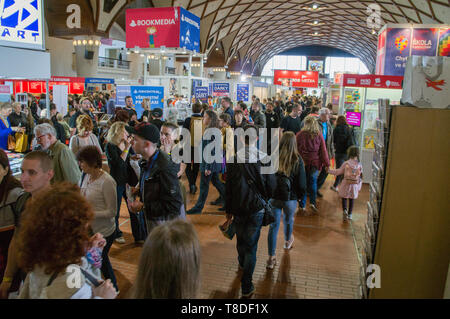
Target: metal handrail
x=113, y=63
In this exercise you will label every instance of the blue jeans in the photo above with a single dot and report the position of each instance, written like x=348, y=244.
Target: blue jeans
x=289, y=208
x=107, y=269
x=311, y=181
x=248, y=229
x=137, y=220
x=340, y=159
x=321, y=178
x=204, y=189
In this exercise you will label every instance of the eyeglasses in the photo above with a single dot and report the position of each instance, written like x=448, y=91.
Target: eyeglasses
x=39, y=137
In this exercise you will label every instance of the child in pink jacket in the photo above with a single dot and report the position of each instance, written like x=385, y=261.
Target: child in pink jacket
x=352, y=181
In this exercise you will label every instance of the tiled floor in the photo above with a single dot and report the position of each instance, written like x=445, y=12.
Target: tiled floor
x=322, y=263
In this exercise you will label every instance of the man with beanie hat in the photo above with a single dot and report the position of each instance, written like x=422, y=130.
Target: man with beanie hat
x=159, y=188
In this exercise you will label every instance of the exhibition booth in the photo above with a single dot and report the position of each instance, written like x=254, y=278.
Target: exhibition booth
x=359, y=96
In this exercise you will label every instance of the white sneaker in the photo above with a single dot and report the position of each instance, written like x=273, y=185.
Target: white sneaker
x=344, y=215
x=288, y=244
x=314, y=208
x=271, y=262
x=120, y=240
x=349, y=216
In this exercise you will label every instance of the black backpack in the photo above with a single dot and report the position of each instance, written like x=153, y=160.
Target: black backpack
x=284, y=187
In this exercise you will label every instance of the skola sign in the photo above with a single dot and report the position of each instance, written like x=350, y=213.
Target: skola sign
x=21, y=23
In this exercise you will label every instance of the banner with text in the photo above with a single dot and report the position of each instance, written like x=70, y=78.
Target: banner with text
x=221, y=89
x=306, y=79
x=172, y=27
x=154, y=93
x=201, y=93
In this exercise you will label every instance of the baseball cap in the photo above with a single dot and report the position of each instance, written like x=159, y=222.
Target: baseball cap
x=147, y=131
x=158, y=112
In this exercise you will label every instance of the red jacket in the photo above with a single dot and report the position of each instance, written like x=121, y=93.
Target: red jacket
x=312, y=150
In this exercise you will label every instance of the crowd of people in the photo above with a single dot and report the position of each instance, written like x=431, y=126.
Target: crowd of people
x=61, y=219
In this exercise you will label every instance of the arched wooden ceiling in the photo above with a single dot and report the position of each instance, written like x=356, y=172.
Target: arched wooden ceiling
x=249, y=32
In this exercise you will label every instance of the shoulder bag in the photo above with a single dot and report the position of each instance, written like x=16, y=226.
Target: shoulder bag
x=269, y=216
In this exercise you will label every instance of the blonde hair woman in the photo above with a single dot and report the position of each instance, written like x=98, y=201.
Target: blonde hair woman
x=311, y=146
x=117, y=152
x=291, y=186
x=85, y=137
x=146, y=115
x=169, y=267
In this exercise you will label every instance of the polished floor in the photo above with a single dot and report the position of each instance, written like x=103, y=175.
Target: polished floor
x=323, y=262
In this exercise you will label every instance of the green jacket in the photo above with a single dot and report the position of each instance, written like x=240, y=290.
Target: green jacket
x=65, y=164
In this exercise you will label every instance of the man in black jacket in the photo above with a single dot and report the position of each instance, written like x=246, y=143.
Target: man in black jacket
x=159, y=187
x=244, y=178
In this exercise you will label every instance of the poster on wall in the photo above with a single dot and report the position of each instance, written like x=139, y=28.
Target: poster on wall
x=398, y=45
x=201, y=93
x=444, y=42
x=425, y=42
x=315, y=65
x=242, y=92
x=221, y=89
x=172, y=86
x=21, y=24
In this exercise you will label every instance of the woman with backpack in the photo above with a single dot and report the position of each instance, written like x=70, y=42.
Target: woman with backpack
x=352, y=181
x=291, y=186
x=342, y=137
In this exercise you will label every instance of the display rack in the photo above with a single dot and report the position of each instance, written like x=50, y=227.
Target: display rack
x=15, y=162
x=406, y=232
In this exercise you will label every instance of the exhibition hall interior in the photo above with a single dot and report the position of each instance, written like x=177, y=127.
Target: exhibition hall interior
x=226, y=149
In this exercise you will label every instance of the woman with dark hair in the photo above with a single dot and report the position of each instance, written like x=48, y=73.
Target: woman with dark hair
x=99, y=188
x=210, y=168
x=342, y=135
x=10, y=191
x=53, y=241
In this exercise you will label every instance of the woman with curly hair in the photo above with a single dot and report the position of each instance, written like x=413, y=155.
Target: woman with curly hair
x=52, y=244
x=311, y=146
x=85, y=137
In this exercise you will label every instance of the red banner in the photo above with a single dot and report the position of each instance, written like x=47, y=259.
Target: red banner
x=373, y=81
x=70, y=79
x=35, y=87
x=153, y=27
x=302, y=79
